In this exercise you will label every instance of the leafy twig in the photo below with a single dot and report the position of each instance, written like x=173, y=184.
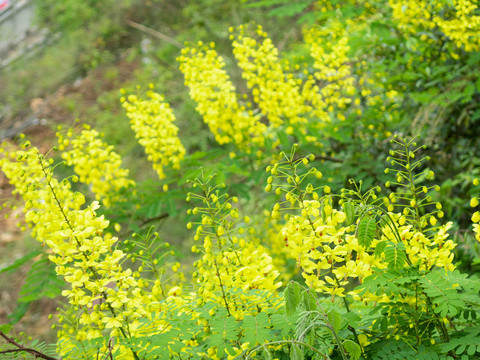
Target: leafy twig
x=20, y=347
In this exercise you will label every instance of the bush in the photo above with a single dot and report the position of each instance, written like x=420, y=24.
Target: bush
x=376, y=275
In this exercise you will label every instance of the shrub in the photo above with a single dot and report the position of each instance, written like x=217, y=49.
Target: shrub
x=376, y=271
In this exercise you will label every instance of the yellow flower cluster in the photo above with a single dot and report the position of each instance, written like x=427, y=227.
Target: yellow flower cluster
x=223, y=273
x=229, y=262
x=96, y=164
x=328, y=48
x=425, y=251
x=21, y=167
x=457, y=19
x=80, y=248
x=212, y=90
x=235, y=273
x=318, y=245
x=277, y=93
x=328, y=250
x=294, y=99
x=270, y=236
x=476, y=215
x=152, y=121
x=322, y=247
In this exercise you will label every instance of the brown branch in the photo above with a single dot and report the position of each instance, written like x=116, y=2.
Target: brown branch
x=20, y=347
x=110, y=348
x=154, y=33
x=325, y=158
x=328, y=158
x=159, y=217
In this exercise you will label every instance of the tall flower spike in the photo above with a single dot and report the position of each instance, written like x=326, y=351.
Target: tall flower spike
x=276, y=92
x=96, y=163
x=152, y=121
x=329, y=47
x=230, y=262
x=212, y=90
x=82, y=251
x=476, y=215
x=406, y=166
x=22, y=169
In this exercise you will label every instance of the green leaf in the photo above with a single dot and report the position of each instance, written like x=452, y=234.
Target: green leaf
x=41, y=281
x=19, y=312
x=379, y=248
x=335, y=319
x=292, y=297
x=266, y=353
x=171, y=207
x=352, y=348
x=395, y=255
x=281, y=323
x=176, y=346
x=19, y=262
x=296, y=353
x=256, y=328
x=153, y=209
x=310, y=300
x=352, y=319
x=468, y=92
x=5, y=328
x=290, y=9
x=366, y=231
x=224, y=329
x=349, y=210
x=440, y=290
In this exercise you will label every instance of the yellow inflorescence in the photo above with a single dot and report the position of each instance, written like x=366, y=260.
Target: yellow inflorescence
x=96, y=163
x=324, y=246
x=458, y=19
x=21, y=167
x=327, y=250
x=276, y=92
x=83, y=252
x=286, y=98
x=248, y=268
x=274, y=243
x=474, y=202
x=211, y=88
x=230, y=262
x=152, y=121
x=328, y=48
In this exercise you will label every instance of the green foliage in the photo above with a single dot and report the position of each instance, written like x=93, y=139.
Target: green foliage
x=442, y=293
x=284, y=8
x=366, y=230
x=63, y=14
x=292, y=297
x=353, y=349
x=464, y=343
x=395, y=255
x=40, y=282
x=256, y=328
x=407, y=308
x=21, y=261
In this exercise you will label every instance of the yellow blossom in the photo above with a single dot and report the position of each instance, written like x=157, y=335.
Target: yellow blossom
x=211, y=88
x=96, y=164
x=152, y=121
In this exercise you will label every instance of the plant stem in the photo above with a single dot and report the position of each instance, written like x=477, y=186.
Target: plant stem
x=287, y=342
